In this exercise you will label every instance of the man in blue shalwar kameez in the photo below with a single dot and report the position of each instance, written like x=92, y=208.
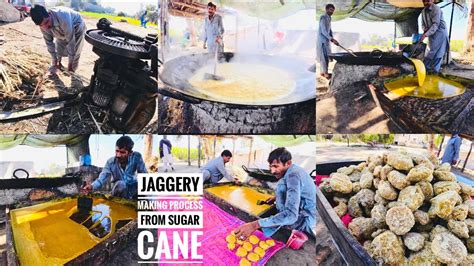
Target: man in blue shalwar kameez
x=323, y=46
x=451, y=154
x=434, y=28
x=213, y=30
x=295, y=198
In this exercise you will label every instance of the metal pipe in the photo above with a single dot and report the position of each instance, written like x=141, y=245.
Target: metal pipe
x=189, y=150
x=450, y=30
x=199, y=152
x=467, y=158
x=440, y=146
x=163, y=27
x=394, y=45
x=214, y=144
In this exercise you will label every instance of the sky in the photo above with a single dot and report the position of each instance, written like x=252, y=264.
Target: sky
x=102, y=147
x=386, y=28
x=129, y=7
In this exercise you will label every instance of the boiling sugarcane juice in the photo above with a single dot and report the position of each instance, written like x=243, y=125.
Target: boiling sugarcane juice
x=44, y=234
x=425, y=86
x=244, y=83
x=242, y=197
x=434, y=87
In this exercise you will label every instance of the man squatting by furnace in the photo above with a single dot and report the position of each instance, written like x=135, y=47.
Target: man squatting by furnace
x=67, y=27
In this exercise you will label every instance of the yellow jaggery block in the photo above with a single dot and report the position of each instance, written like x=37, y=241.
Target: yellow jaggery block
x=230, y=239
x=260, y=251
x=241, y=252
x=244, y=262
x=420, y=70
x=242, y=197
x=263, y=245
x=270, y=242
x=44, y=234
x=244, y=83
x=253, y=239
x=231, y=246
x=247, y=246
x=253, y=257
x=434, y=87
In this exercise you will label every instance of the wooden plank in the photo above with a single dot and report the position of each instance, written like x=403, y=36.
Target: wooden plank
x=351, y=250
x=43, y=109
x=12, y=259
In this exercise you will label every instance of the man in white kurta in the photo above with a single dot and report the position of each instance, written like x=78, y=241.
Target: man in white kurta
x=165, y=154
x=325, y=37
x=213, y=30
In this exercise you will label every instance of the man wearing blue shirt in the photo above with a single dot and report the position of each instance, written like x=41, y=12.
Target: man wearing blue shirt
x=215, y=170
x=122, y=169
x=295, y=199
x=451, y=154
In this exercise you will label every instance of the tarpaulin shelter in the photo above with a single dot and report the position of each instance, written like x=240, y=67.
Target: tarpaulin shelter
x=404, y=13
x=270, y=9
x=76, y=144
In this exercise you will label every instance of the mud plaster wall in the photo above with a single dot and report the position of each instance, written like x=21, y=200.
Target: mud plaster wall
x=12, y=196
x=207, y=117
x=345, y=75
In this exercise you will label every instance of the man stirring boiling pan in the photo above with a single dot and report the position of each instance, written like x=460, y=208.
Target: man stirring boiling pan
x=213, y=30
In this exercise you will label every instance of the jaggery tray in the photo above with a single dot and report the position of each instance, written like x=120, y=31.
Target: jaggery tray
x=240, y=200
x=70, y=237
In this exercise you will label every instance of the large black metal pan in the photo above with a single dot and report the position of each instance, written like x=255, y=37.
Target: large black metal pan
x=260, y=174
x=176, y=72
x=369, y=58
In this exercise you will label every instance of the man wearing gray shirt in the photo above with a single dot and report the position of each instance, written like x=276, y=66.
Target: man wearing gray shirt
x=214, y=170
x=213, y=30
x=67, y=27
x=435, y=29
x=323, y=46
